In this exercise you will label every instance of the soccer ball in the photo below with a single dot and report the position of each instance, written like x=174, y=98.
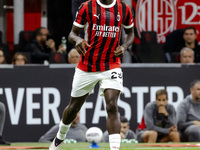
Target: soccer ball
x=94, y=135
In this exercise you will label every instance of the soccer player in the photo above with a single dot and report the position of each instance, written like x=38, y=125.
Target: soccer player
x=100, y=62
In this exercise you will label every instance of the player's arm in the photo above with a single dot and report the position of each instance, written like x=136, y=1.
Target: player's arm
x=129, y=37
x=79, y=42
x=162, y=110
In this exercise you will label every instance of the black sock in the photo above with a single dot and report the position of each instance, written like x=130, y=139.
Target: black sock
x=57, y=141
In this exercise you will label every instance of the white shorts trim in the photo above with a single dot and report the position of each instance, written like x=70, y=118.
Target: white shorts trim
x=84, y=82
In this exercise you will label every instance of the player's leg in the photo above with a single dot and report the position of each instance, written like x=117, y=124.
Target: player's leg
x=83, y=84
x=150, y=136
x=171, y=137
x=113, y=122
x=68, y=116
x=165, y=139
x=2, y=117
x=174, y=136
x=111, y=84
x=2, y=121
x=192, y=133
x=75, y=104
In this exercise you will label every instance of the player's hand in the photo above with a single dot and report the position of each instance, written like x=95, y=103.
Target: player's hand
x=119, y=52
x=61, y=49
x=50, y=43
x=173, y=128
x=122, y=135
x=162, y=110
x=196, y=123
x=80, y=46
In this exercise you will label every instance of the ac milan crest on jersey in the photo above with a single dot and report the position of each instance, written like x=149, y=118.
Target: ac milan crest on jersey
x=103, y=33
x=118, y=17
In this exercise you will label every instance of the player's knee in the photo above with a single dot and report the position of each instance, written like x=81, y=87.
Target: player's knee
x=195, y=131
x=174, y=134
x=150, y=136
x=153, y=134
x=111, y=107
x=2, y=108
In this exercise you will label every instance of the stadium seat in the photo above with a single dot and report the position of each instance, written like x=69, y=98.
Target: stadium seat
x=1, y=38
x=28, y=56
x=172, y=45
x=24, y=38
x=149, y=51
x=7, y=53
x=5, y=48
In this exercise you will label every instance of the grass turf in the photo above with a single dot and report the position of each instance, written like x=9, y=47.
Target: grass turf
x=104, y=146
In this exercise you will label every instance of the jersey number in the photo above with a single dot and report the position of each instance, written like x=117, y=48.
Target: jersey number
x=116, y=75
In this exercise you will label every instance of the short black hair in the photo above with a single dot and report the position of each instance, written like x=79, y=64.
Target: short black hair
x=190, y=27
x=194, y=82
x=123, y=119
x=161, y=92
x=37, y=31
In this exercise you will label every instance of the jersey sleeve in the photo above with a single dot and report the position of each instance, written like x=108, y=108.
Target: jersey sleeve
x=128, y=21
x=80, y=19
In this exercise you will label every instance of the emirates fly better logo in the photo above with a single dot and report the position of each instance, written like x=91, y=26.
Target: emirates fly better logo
x=156, y=15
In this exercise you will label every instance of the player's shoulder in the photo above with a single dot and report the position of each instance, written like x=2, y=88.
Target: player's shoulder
x=84, y=4
x=151, y=104
x=170, y=106
x=131, y=132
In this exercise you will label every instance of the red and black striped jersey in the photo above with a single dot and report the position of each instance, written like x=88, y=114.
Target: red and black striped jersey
x=103, y=26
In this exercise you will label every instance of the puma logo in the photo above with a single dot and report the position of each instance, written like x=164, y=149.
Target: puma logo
x=97, y=16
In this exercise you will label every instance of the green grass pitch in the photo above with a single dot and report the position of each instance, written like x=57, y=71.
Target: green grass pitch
x=104, y=146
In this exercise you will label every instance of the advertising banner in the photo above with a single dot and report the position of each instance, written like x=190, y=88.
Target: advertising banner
x=35, y=96
x=164, y=16
x=188, y=14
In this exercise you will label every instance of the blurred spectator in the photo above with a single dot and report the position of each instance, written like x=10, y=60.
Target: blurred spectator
x=73, y=56
x=180, y=38
x=41, y=47
x=188, y=114
x=125, y=132
x=159, y=122
x=77, y=131
x=190, y=37
x=2, y=121
x=19, y=59
x=186, y=56
x=149, y=50
x=2, y=57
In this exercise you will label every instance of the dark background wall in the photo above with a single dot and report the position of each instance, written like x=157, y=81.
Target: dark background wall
x=60, y=19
